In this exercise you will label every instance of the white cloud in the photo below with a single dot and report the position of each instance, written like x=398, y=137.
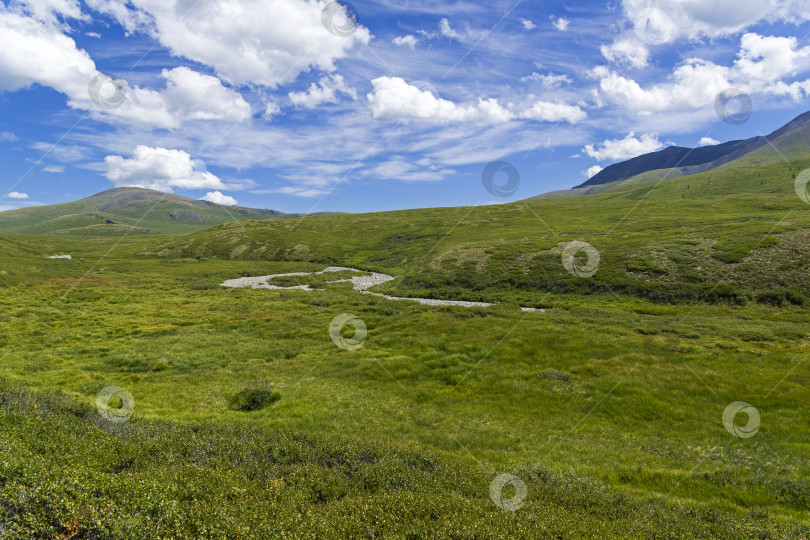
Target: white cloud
x=560, y=23
x=767, y=59
x=593, y=171
x=326, y=91
x=7, y=136
x=673, y=19
x=762, y=62
x=17, y=195
x=395, y=99
x=54, y=169
x=48, y=10
x=528, y=24
x=621, y=149
x=406, y=171
x=447, y=30
x=627, y=50
x=549, y=80
x=693, y=85
x=188, y=96
x=409, y=40
x=94, y=35
x=193, y=96
x=271, y=109
x=301, y=191
x=34, y=52
x=554, y=112
x=37, y=53
x=159, y=168
x=708, y=141
x=218, y=198
x=267, y=42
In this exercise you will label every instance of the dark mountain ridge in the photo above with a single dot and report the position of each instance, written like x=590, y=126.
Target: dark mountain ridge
x=694, y=160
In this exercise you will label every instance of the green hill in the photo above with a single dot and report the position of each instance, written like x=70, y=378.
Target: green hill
x=120, y=210
x=725, y=235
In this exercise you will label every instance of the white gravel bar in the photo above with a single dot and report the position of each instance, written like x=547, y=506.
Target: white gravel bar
x=359, y=283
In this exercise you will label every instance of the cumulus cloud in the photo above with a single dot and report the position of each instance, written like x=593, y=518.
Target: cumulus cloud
x=48, y=10
x=447, y=30
x=560, y=23
x=265, y=43
x=409, y=40
x=528, y=24
x=621, y=149
x=218, y=198
x=326, y=91
x=762, y=64
x=194, y=96
x=673, y=19
x=35, y=52
x=708, y=141
x=395, y=99
x=765, y=60
x=593, y=171
x=271, y=109
x=628, y=50
x=554, y=112
x=159, y=168
x=17, y=195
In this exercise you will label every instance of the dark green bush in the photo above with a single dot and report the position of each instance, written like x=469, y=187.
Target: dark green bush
x=644, y=265
x=253, y=399
x=781, y=297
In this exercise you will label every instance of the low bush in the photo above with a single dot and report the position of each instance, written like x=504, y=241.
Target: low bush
x=253, y=399
x=781, y=297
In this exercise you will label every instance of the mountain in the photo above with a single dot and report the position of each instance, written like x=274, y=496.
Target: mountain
x=125, y=209
x=790, y=141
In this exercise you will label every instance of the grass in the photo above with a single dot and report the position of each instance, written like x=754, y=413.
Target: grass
x=723, y=236
x=250, y=422
x=156, y=479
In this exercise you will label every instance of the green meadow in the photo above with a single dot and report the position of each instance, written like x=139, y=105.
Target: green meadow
x=249, y=421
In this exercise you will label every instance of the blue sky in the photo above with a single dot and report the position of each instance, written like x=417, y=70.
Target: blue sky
x=287, y=104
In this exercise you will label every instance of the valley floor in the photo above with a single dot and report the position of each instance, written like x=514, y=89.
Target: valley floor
x=608, y=410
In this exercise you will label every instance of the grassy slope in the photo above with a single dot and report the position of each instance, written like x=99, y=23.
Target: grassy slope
x=608, y=405
x=155, y=480
x=722, y=235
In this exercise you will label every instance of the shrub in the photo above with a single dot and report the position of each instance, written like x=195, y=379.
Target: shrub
x=644, y=265
x=253, y=399
x=780, y=297
x=202, y=284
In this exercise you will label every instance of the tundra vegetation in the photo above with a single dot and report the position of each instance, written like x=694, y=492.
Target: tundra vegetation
x=249, y=421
